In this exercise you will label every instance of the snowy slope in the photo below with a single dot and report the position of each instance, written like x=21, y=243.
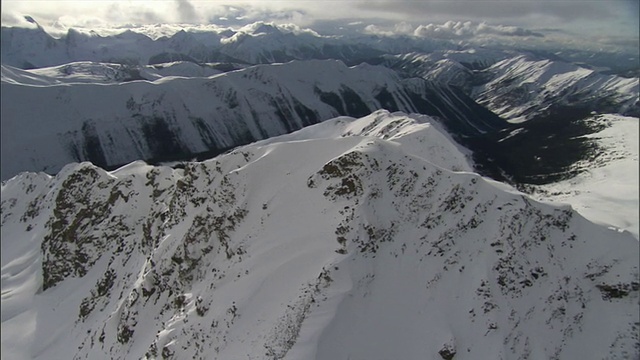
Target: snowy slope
x=416, y=134
x=178, y=68
x=606, y=189
x=93, y=72
x=422, y=64
x=85, y=72
x=17, y=76
x=523, y=87
x=451, y=72
x=173, y=117
x=342, y=241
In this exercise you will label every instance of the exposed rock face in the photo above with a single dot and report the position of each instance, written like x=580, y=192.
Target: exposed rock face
x=344, y=239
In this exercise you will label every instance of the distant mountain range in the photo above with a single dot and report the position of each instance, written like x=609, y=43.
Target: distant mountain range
x=175, y=118
x=131, y=114
x=255, y=44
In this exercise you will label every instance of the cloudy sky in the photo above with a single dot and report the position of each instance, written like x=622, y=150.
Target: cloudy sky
x=602, y=20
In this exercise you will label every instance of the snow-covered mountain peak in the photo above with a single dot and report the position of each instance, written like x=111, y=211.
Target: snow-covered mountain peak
x=418, y=135
x=537, y=70
x=301, y=207
x=31, y=20
x=334, y=242
x=261, y=27
x=274, y=34
x=522, y=86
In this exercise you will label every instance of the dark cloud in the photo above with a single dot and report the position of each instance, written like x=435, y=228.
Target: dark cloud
x=495, y=9
x=186, y=11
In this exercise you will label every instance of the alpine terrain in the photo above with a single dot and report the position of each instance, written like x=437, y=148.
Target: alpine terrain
x=266, y=191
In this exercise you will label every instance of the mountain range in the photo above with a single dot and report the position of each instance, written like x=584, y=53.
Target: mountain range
x=144, y=103
x=268, y=192
x=341, y=240
x=174, y=118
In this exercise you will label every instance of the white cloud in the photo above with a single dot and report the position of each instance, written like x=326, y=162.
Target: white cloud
x=377, y=30
x=484, y=28
x=425, y=18
x=450, y=30
x=403, y=28
x=467, y=29
x=13, y=19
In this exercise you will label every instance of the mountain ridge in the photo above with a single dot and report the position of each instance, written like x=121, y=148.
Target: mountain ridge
x=523, y=88
x=176, y=118
x=306, y=251
x=303, y=196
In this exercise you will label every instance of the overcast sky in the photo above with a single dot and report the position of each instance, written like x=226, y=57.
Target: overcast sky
x=608, y=20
